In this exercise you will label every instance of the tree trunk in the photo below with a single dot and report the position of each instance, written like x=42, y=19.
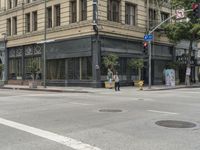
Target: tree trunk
x=188, y=66
x=139, y=73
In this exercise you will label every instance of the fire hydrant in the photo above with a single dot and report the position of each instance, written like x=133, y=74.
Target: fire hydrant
x=141, y=83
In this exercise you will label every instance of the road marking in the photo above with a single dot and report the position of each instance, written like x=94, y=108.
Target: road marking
x=76, y=103
x=72, y=143
x=163, y=112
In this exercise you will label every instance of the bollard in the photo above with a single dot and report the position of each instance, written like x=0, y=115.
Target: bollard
x=141, y=83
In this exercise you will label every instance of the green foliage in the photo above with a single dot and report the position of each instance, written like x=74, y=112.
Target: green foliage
x=183, y=31
x=187, y=4
x=33, y=68
x=110, y=61
x=136, y=63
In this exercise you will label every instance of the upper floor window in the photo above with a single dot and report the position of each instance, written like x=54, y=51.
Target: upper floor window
x=152, y=18
x=73, y=11
x=9, y=4
x=8, y=26
x=130, y=14
x=28, y=1
x=28, y=22
x=57, y=15
x=164, y=16
x=14, y=25
x=83, y=11
x=113, y=10
x=34, y=21
x=15, y=3
x=49, y=17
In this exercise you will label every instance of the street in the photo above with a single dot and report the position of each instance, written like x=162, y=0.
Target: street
x=104, y=120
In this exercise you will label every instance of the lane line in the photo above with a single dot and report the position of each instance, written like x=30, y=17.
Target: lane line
x=163, y=112
x=84, y=104
x=69, y=142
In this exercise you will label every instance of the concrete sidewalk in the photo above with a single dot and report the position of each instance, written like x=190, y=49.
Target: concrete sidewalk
x=94, y=90
x=164, y=87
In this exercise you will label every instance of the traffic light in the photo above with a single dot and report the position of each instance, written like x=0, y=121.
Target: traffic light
x=196, y=10
x=145, y=45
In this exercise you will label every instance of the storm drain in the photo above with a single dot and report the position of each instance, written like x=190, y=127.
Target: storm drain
x=175, y=124
x=110, y=110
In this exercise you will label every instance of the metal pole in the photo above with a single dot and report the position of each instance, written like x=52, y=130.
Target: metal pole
x=149, y=48
x=44, y=49
x=147, y=12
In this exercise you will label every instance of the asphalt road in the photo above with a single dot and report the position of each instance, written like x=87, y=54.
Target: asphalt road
x=70, y=121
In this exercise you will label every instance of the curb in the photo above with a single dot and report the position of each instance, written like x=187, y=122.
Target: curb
x=172, y=88
x=46, y=90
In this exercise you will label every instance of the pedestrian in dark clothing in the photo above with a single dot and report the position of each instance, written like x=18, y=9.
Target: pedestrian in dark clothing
x=116, y=79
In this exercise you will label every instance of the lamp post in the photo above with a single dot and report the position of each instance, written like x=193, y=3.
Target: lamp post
x=44, y=49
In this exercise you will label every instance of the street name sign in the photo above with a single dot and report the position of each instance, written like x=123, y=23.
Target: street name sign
x=148, y=37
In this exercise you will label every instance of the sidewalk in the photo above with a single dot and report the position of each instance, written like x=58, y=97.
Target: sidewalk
x=164, y=87
x=93, y=90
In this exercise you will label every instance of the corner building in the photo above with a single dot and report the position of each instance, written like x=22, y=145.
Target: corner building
x=74, y=47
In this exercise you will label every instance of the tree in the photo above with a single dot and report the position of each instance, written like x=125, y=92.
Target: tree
x=137, y=64
x=33, y=69
x=189, y=31
x=110, y=61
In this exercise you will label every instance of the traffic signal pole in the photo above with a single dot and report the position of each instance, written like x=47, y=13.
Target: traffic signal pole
x=150, y=47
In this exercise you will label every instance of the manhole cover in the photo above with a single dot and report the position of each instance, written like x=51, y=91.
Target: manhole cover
x=175, y=124
x=110, y=110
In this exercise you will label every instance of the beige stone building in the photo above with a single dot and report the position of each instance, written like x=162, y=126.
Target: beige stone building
x=79, y=33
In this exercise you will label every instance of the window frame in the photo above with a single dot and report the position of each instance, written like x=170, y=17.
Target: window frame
x=83, y=10
x=73, y=11
x=27, y=22
x=9, y=26
x=128, y=15
x=34, y=21
x=14, y=25
x=49, y=17
x=57, y=15
x=113, y=15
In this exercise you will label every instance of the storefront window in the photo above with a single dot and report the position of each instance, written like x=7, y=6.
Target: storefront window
x=15, y=68
x=80, y=68
x=28, y=64
x=56, y=69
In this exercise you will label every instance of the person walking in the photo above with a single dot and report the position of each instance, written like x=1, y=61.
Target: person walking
x=116, y=79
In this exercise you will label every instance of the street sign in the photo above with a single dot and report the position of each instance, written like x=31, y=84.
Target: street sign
x=180, y=14
x=148, y=37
